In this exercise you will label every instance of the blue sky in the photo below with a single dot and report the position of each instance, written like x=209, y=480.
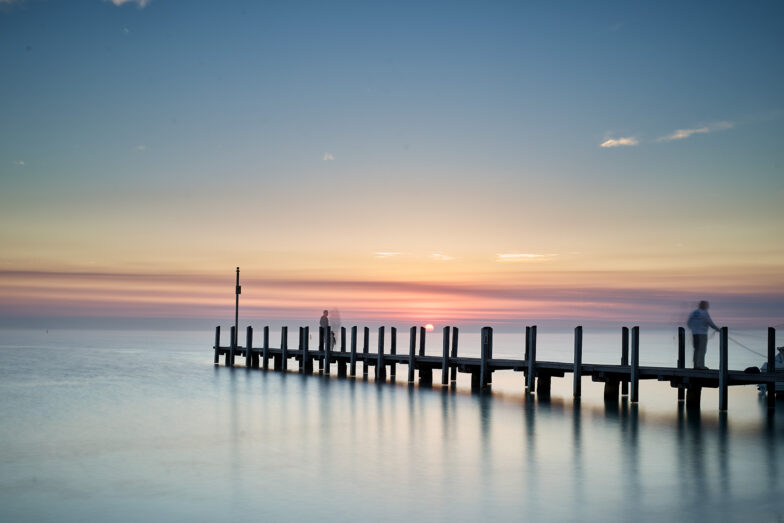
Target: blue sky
x=637, y=137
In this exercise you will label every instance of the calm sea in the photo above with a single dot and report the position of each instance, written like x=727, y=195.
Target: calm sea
x=140, y=426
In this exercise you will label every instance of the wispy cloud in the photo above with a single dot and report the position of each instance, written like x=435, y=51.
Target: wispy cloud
x=141, y=147
x=618, y=142
x=17, y=162
x=522, y=257
x=139, y=3
x=387, y=254
x=441, y=257
x=126, y=31
x=328, y=157
x=680, y=134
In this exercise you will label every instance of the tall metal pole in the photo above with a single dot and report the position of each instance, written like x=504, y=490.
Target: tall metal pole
x=237, y=291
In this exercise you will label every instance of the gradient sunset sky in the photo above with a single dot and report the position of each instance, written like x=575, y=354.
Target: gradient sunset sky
x=405, y=162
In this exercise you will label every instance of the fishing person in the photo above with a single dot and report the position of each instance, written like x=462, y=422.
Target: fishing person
x=699, y=321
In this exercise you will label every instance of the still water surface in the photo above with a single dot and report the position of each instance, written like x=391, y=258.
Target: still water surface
x=130, y=426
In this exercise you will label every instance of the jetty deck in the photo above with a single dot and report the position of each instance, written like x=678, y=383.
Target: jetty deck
x=622, y=379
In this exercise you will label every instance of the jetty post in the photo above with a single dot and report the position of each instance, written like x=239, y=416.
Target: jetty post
x=625, y=358
x=327, y=349
x=393, y=351
x=425, y=372
x=249, y=348
x=237, y=291
x=531, y=359
x=284, y=347
x=319, y=348
x=578, y=363
x=301, y=346
x=724, y=375
x=365, y=348
x=217, y=344
x=308, y=368
x=635, y=370
x=445, y=357
x=455, y=332
x=486, y=351
x=230, y=355
x=771, y=387
x=411, y=356
x=381, y=373
x=681, y=359
x=265, y=349
x=353, y=365
x=342, y=361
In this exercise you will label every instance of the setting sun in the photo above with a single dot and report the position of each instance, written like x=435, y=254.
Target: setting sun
x=429, y=327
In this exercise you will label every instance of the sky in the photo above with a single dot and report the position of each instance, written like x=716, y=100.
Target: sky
x=499, y=163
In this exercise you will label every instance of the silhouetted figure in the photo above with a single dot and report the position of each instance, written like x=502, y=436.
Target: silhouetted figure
x=324, y=321
x=332, y=341
x=699, y=321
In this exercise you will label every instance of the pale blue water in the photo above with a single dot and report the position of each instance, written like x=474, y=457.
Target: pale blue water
x=130, y=426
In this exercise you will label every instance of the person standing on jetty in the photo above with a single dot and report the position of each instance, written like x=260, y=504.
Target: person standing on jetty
x=324, y=321
x=699, y=321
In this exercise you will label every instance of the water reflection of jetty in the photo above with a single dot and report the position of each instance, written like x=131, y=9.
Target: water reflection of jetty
x=623, y=378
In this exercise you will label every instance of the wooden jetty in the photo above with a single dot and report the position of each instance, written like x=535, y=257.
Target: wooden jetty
x=624, y=378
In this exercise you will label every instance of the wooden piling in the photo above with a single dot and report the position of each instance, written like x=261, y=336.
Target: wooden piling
x=681, y=359
x=265, y=349
x=578, y=362
x=393, y=351
x=365, y=349
x=771, y=386
x=422, y=332
x=455, y=332
x=327, y=349
x=635, y=370
x=445, y=358
x=249, y=347
x=217, y=344
x=411, y=354
x=320, y=348
x=486, y=349
x=723, y=368
x=308, y=367
x=342, y=362
x=531, y=384
x=284, y=348
x=381, y=371
x=233, y=347
x=301, y=346
x=625, y=358
x=527, y=343
x=353, y=365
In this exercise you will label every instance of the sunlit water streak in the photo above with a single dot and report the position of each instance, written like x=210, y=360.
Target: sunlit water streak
x=129, y=426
